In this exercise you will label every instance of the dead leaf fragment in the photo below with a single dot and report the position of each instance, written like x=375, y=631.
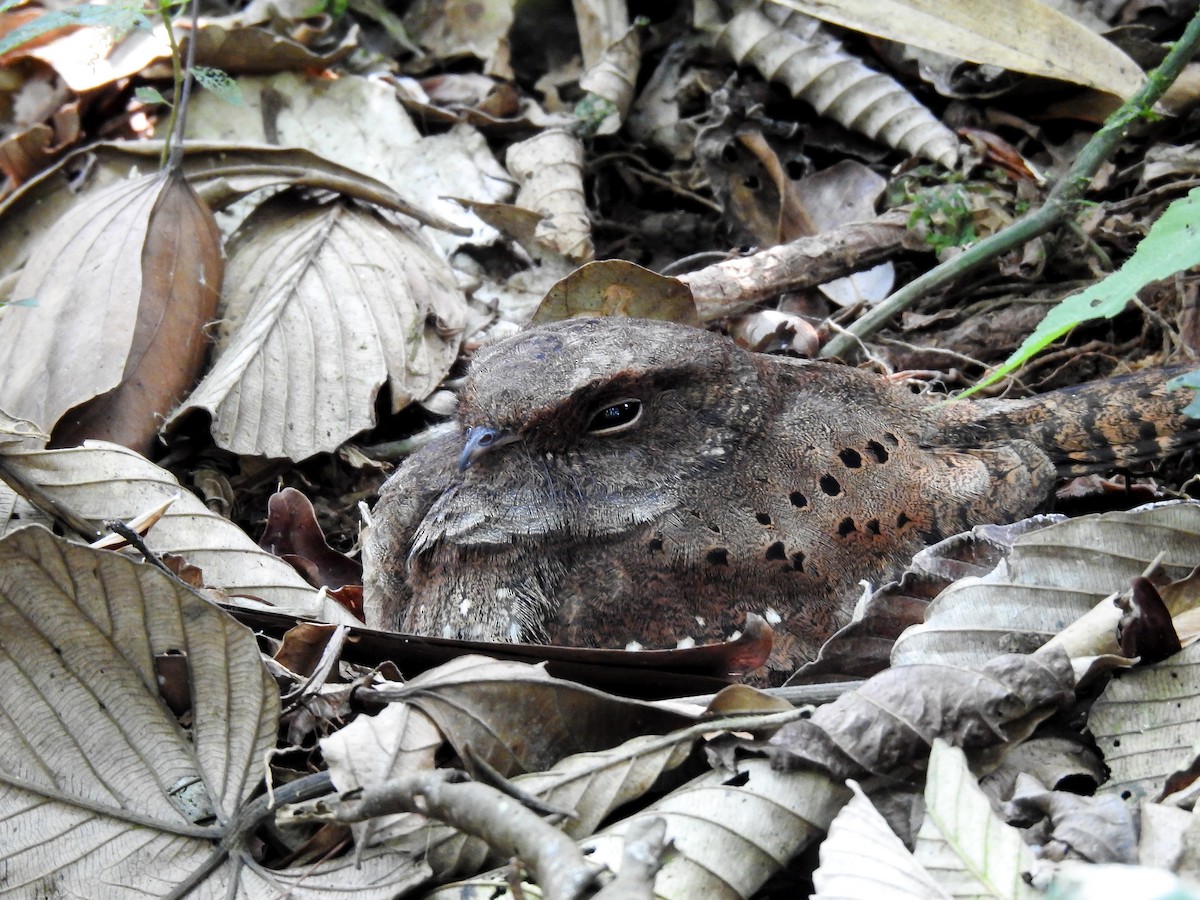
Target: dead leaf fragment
x=894, y=717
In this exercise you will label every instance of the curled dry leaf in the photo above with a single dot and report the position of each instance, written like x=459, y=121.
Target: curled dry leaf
x=895, y=716
x=293, y=533
x=104, y=481
x=1047, y=43
x=549, y=167
x=798, y=52
x=324, y=305
x=124, y=284
x=611, y=82
x=731, y=835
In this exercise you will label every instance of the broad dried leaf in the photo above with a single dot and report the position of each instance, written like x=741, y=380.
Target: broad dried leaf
x=1052, y=577
x=449, y=29
x=891, y=720
x=516, y=718
x=103, y=278
x=84, y=721
x=102, y=481
x=1144, y=724
x=1047, y=43
x=326, y=304
x=861, y=854
x=99, y=782
x=549, y=167
x=182, y=265
x=616, y=287
x=963, y=844
x=798, y=52
x=293, y=533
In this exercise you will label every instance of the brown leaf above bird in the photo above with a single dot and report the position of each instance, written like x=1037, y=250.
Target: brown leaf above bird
x=622, y=481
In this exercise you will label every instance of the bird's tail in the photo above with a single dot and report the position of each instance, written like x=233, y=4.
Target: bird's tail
x=1122, y=422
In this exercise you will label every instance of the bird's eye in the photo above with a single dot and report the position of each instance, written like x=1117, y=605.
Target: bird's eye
x=616, y=417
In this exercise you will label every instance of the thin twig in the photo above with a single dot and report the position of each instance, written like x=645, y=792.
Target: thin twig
x=1062, y=203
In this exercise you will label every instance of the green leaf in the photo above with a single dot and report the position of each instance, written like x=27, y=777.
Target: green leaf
x=1172, y=245
x=1188, y=380
x=149, y=95
x=219, y=82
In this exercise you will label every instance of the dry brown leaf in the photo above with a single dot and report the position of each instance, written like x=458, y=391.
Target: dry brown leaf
x=124, y=285
x=615, y=287
x=324, y=304
x=516, y=718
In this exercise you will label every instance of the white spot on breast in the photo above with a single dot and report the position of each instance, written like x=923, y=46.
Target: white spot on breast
x=633, y=646
x=772, y=617
x=464, y=608
x=686, y=643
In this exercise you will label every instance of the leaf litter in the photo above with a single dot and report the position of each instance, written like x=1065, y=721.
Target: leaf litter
x=142, y=717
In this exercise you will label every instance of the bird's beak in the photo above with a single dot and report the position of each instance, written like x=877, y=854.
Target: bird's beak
x=480, y=440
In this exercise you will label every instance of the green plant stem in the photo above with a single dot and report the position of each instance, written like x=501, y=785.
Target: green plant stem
x=1062, y=203
x=172, y=153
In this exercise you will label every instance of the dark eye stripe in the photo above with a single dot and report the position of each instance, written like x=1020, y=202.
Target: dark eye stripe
x=616, y=417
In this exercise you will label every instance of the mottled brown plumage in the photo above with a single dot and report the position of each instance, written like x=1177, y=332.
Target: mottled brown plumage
x=620, y=481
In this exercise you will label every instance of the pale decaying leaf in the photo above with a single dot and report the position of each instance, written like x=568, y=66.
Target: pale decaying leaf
x=963, y=844
x=613, y=80
x=450, y=29
x=104, y=791
x=104, y=481
x=1046, y=43
x=1052, y=577
x=799, y=53
x=324, y=305
x=549, y=167
x=723, y=850
x=356, y=121
x=1144, y=723
x=862, y=853
x=91, y=274
x=84, y=721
